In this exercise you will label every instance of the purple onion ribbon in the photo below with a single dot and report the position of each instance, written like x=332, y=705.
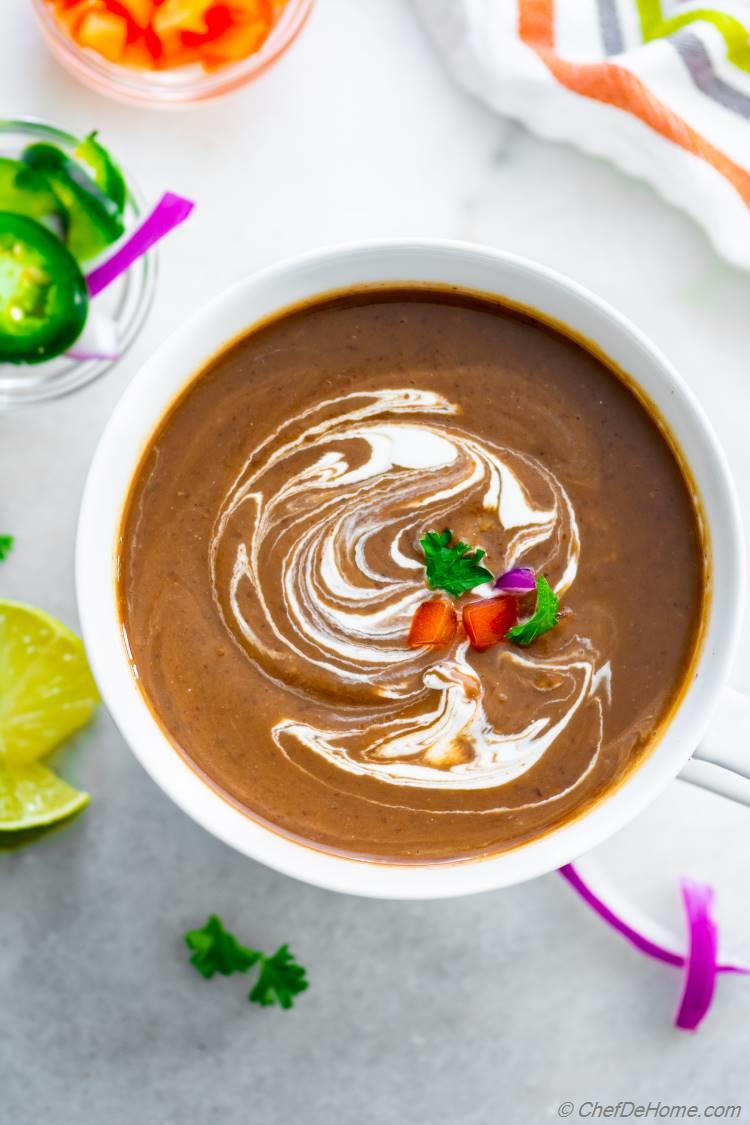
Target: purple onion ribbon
x=169, y=212
x=701, y=962
x=520, y=580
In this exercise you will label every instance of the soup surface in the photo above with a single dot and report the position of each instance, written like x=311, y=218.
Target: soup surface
x=271, y=567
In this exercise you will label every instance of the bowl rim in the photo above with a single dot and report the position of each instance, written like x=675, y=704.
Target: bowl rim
x=144, y=403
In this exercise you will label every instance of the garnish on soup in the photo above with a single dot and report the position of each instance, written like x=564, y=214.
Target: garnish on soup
x=453, y=567
x=434, y=623
x=486, y=622
x=544, y=618
x=518, y=581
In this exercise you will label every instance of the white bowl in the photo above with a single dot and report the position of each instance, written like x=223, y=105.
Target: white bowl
x=447, y=263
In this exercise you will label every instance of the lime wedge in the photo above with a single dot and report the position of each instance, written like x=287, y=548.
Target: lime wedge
x=46, y=688
x=32, y=796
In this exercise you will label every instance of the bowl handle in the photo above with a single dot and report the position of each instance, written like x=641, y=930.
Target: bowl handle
x=722, y=761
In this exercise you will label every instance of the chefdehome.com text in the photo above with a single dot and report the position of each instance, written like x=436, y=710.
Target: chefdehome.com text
x=653, y=1111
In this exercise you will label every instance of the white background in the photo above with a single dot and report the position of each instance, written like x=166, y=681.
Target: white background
x=496, y=1008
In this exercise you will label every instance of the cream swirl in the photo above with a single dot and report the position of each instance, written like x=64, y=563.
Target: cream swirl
x=316, y=572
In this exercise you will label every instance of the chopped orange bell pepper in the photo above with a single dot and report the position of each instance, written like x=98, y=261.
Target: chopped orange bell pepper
x=434, y=623
x=181, y=15
x=486, y=622
x=252, y=9
x=105, y=33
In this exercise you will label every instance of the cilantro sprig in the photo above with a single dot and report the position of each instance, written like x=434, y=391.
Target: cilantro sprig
x=280, y=979
x=544, y=618
x=454, y=567
x=216, y=950
x=6, y=546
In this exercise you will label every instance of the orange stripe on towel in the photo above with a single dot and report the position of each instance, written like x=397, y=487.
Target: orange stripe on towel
x=615, y=86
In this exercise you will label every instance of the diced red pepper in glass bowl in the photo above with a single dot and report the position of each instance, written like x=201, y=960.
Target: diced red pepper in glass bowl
x=165, y=34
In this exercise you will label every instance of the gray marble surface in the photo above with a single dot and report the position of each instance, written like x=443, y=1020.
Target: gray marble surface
x=493, y=1008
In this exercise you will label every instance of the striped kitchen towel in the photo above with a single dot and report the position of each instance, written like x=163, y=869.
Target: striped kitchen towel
x=659, y=87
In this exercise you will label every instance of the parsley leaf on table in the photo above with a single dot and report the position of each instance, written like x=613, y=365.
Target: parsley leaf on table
x=215, y=950
x=6, y=546
x=281, y=979
x=544, y=619
x=455, y=567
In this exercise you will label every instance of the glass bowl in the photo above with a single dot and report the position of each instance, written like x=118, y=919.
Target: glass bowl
x=127, y=300
x=168, y=88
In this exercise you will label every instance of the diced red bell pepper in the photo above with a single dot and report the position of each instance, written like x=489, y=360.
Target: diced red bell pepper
x=486, y=622
x=434, y=623
x=164, y=34
x=153, y=44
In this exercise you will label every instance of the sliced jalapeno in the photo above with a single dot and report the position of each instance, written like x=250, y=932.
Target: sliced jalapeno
x=25, y=192
x=91, y=217
x=106, y=172
x=43, y=294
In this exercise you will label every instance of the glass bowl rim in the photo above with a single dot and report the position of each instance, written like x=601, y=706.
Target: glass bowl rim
x=17, y=392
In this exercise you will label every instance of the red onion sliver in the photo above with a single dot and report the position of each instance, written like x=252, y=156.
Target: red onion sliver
x=648, y=937
x=635, y=936
x=169, y=212
x=700, y=977
x=520, y=580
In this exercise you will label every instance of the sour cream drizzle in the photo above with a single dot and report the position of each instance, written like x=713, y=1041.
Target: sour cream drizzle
x=322, y=522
